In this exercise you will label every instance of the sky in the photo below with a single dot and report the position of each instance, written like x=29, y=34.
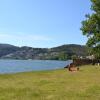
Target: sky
x=42, y=23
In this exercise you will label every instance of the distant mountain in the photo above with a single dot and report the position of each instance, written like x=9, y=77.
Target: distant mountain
x=79, y=50
x=7, y=49
x=57, y=53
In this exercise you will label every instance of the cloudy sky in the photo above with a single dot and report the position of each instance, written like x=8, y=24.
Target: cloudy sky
x=42, y=23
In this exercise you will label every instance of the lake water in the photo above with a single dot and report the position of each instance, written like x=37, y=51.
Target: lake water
x=14, y=66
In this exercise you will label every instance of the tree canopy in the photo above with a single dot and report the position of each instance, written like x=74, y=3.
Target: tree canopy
x=91, y=28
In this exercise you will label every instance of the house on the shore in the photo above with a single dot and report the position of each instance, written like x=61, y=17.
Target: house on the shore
x=90, y=57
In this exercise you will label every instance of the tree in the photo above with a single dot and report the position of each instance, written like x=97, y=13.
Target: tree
x=91, y=28
x=74, y=57
x=63, y=56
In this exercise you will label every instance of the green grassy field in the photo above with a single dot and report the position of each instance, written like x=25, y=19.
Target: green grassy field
x=52, y=85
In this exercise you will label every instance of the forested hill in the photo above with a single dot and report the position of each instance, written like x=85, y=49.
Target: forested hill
x=7, y=49
x=57, y=53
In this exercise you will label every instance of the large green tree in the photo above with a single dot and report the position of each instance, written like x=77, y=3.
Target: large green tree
x=91, y=28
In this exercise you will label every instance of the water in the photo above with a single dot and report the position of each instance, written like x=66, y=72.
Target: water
x=14, y=66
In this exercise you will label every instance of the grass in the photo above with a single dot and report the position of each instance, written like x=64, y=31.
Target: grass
x=52, y=85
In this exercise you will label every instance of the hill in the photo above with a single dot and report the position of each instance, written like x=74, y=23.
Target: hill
x=7, y=49
x=57, y=53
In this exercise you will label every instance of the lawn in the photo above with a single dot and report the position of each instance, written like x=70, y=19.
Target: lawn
x=52, y=85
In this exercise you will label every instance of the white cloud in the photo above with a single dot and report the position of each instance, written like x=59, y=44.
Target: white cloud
x=25, y=37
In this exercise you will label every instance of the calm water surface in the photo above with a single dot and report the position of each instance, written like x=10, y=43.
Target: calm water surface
x=14, y=66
